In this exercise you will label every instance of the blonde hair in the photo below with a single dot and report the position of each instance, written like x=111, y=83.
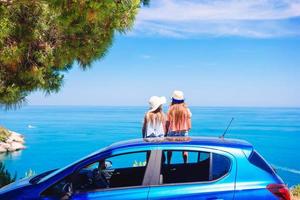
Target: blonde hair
x=178, y=114
x=156, y=116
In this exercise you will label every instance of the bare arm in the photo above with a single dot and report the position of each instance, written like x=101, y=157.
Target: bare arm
x=167, y=124
x=189, y=119
x=144, y=127
x=167, y=127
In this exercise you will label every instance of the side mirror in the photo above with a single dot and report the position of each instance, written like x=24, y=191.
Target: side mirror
x=108, y=164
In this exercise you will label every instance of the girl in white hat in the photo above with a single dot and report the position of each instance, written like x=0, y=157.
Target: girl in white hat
x=178, y=120
x=154, y=120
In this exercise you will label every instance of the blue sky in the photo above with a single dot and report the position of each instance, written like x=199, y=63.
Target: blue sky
x=220, y=53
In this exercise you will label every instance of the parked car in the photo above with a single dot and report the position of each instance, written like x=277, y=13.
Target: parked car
x=138, y=169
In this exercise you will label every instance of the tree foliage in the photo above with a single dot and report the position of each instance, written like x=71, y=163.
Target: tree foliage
x=5, y=176
x=40, y=39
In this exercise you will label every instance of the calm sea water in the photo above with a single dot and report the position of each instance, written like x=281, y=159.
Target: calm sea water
x=58, y=135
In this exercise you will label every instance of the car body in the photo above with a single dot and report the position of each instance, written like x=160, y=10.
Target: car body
x=217, y=169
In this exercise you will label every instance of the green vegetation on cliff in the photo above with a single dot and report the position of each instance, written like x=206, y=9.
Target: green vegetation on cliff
x=295, y=192
x=5, y=177
x=4, y=134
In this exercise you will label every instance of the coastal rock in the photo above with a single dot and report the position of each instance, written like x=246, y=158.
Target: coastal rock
x=14, y=146
x=2, y=149
x=10, y=141
x=16, y=137
x=4, y=145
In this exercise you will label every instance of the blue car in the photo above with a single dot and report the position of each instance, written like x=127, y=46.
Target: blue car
x=155, y=169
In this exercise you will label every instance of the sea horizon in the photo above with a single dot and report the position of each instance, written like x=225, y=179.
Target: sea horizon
x=146, y=106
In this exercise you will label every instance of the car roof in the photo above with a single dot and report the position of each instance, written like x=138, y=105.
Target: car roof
x=185, y=141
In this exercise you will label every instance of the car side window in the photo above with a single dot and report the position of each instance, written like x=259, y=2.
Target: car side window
x=121, y=170
x=128, y=160
x=200, y=167
x=220, y=166
x=192, y=158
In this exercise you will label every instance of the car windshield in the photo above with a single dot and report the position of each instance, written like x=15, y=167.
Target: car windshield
x=63, y=168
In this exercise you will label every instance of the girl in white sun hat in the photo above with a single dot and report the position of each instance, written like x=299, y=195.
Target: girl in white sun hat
x=155, y=119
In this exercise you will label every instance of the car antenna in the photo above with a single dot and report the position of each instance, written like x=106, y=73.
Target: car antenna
x=223, y=135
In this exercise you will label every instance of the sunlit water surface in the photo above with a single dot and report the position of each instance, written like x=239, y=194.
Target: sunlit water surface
x=58, y=135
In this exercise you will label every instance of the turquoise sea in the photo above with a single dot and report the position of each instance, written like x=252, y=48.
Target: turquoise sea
x=58, y=135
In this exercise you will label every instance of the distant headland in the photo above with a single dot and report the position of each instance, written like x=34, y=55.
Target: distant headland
x=10, y=141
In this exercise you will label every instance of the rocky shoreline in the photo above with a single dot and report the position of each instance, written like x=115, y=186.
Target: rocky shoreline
x=10, y=141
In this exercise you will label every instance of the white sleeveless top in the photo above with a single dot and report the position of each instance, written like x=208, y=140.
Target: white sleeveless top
x=155, y=130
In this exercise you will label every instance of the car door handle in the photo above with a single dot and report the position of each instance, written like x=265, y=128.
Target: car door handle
x=214, y=198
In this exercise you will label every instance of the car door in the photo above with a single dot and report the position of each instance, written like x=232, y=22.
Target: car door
x=120, y=174
x=126, y=177
x=208, y=174
x=114, y=194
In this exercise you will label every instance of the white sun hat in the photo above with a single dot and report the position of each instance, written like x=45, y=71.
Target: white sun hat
x=155, y=102
x=178, y=95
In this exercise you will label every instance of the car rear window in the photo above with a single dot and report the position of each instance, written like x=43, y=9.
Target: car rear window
x=260, y=162
x=221, y=165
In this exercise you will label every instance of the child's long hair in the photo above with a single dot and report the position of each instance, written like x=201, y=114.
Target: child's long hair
x=156, y=116
x=178, y=114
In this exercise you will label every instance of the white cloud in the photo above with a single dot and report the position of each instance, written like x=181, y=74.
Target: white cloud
x=251, y=18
